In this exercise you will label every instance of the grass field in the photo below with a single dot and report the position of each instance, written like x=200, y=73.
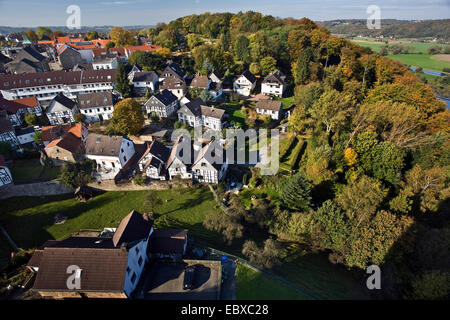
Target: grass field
x=252, y=285
x=30, y=170
x=234, y=113
x=419, y=57
x=30, y=222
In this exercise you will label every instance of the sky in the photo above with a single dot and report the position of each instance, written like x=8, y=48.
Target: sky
x=32, y=13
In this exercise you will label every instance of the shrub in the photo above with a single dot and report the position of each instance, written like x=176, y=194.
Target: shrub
x=139, y=180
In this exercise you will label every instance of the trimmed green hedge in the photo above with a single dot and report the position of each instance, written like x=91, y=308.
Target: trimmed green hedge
x=296, y=154
x=289, y=144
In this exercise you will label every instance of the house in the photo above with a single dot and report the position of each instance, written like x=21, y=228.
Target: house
x=5, y=173
x=46, y=85
x=132, y=72
x=197, y=113
x=28, y=60
x=216, y=90
x=245, y=83
x=16, y=109
x=25, y=136
x=103, y=267
x=50, y=133
x=173, y=70
x=96, y=106
x=61, y=110
x=175, y=85
x=105, y=62
x=274, y=84
x=168, y=244
x=271, y=107
x=153, y=161
x=3, y=61
x=164, y=104
x=210, y=165
x=7, y=133
x=69, y=57
x=111, y=153
x=175, y=166
x=215, y=77
x=68, y=148
x=201, y=82
x=144, y=81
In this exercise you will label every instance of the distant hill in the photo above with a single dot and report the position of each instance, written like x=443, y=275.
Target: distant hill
x=105, y=29
x=390, y=27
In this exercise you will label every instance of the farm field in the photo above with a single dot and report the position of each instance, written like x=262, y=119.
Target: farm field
x=420, y=57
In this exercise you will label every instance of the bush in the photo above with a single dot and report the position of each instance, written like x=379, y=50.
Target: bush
x=296, y=154
x=139, y=180
x=77, y=174
x=288, y=146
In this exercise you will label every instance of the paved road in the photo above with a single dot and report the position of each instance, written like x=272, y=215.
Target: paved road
x=37, y=189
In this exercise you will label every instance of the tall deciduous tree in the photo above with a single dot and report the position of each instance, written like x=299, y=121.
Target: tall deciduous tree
x=127, y=117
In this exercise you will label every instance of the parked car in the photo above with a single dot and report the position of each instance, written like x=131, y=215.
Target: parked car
x=189, y=275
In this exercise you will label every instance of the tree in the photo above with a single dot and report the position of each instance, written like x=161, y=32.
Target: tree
x=110, y=44
x=335, y=225
x=206, y=96
x=431, y=285
x=193, y=40
x=93, y=35
x=31, y=119
x=38, y=137
x=388, y=162
x=296, y=193
x=308, y=94
x=43, y=32
x=31, y=35
x=300, y=69
x=152, y=202
x=5, y=148
x=241, y=49
x=360, y=199
x=434, y=50
x=121, y=37
x=255, y=68
x=77, y=174
x=229, y=225
x=266, y=257
x=384, y=51
x=122, y=84
x=166, y=53
x=79, y=118
x=268, y=65
x=127, y=117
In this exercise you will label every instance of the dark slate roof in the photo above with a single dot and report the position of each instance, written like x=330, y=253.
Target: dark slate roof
x=4, y=59
x=20, y=132
x=143, y=76
x=250, y=77
x=132, y=228
x=166, y=97
x=62, y=99
x=169, y=241
x=5, y=123
x=214, y=72
x=177, y=69
x=157, y=149
x=275, y=77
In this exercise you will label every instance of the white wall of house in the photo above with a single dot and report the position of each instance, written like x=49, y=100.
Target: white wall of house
x=137, y=258
x=126, y=151
x=203, y=171
x=273, y=114
x=87, y=55
x=274, y=89
x=5, y=176
x=98, y=113
x=178, y=168
x=113, y=64
x=147, y=84
x=9, y=137
x=61, y=115
x=242, y=86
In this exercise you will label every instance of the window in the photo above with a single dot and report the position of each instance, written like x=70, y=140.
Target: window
x=124, y=159
x=140, y=261
x=128, y=270
x=133, y=278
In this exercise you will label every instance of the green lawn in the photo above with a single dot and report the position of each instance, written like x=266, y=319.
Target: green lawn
x=29, y=170
x=419, y=57
x=29, y=220
x=252, y=285
x=234, y=113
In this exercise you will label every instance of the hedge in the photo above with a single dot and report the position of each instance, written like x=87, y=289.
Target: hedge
x=288, y=146
x=296, y=154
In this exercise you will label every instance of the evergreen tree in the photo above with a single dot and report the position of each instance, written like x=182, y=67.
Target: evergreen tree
x=122, y=83
x=302, y=71
x=296, y=194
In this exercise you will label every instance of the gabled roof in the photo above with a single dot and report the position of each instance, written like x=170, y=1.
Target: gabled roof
x=5, y=123
x=50, y=133
x=94, y=99
x=143, y=76
x=175, y=67
x=101, y=145
x=215, y=73
x=63, y=100
x=157, y=149
x=209, y=153
x=102, y=270
x=275, y=77
x=249, y=76
x=173, y=83
x=132, y=228
x=174, y=153
x=68, y=142
x=169, y=241
x=198, y=108
x=212, y=112
x=200, y=81
x=165, y=97
x=274, y=105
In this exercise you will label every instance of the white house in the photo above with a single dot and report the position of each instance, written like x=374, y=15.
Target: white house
x=144, y=81
x=111, y=153
x=245, y=83
x=7, y=133
x=18, y=108
x=274, y=84
x=97, y=106
x=270, y=107
x=104, y=63
x=197, y=113
x=154, y=160
x=5, y=173
x=46, y=85
x=175, y=165
x=210, y=165
x=25, y=136
x=61, y=110
x=164, y=104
